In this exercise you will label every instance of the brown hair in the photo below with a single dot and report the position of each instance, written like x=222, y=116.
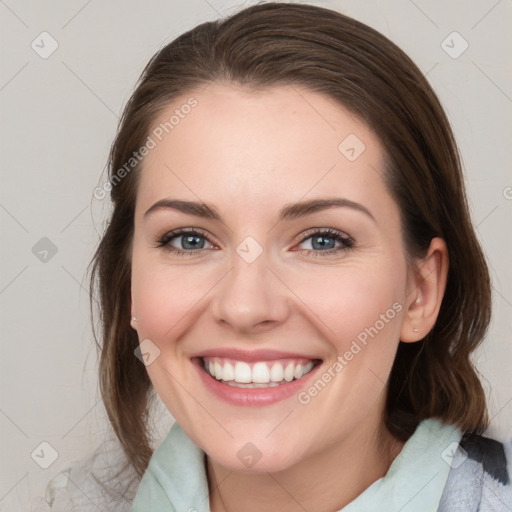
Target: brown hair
x=327, y=52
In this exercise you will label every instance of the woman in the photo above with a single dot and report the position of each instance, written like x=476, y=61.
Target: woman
x=290, y=265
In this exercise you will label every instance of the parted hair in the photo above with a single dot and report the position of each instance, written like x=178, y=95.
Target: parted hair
x=272, y=44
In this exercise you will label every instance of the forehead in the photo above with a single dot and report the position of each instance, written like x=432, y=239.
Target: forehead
x=244, y=147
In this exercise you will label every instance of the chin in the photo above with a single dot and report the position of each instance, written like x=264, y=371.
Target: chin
x=257, y=457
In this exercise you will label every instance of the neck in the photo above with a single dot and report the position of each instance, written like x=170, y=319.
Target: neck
x=325, y=481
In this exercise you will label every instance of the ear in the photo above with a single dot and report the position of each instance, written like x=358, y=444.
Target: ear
x=425, y=291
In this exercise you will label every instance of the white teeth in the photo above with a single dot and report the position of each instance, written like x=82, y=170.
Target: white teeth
x=228, y=372
x=261, y=373
x=252, y=385
x=276, y=372
x=218, y=370
x=288, y=372
x=243, y=372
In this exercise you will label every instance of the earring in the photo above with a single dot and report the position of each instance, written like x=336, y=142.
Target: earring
x=134, y=319
x=415, y=329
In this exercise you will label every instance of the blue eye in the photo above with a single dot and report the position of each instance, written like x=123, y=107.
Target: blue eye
x=323, y=242
x=192, y=242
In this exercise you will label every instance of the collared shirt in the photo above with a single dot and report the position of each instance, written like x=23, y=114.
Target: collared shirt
x=176, y=477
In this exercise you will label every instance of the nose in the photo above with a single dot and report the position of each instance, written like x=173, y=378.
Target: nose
x=251, y=298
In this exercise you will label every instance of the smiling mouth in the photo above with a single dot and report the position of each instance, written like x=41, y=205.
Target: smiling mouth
x=257, y=374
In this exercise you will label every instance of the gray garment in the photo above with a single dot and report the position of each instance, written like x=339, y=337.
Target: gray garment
x=92, y=486
x=479, y=481
x=480, y=477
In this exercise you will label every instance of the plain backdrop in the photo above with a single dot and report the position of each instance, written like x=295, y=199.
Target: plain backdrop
x=67, y=69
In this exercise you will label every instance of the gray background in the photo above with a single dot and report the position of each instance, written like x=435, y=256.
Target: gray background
x=59, y=116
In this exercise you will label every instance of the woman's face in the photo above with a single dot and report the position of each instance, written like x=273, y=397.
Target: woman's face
x=267, y=289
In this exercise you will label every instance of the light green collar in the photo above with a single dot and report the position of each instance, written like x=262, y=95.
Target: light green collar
x=416, y=478
x=175, y=480
x=176, y=477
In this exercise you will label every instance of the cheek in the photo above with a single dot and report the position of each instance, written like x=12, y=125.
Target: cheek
x=164, y=297
x=355, y=299
x=362, y=308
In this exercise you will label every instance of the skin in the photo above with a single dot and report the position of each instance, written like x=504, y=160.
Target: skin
x=249, y=153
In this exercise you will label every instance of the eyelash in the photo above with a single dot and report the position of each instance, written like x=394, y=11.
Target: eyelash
x=346, y=241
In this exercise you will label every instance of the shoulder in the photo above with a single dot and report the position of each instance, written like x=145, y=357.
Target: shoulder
x=97, y=482
x=480, y=476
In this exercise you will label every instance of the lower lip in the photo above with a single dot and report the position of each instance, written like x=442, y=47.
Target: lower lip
x=252, y=396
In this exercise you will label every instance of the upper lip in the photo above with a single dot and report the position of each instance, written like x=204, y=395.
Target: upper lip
x=252, y=355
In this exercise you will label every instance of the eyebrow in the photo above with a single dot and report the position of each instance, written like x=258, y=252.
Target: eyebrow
x=288, y=212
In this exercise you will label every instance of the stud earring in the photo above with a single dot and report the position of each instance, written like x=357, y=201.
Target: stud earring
x=134, y=319
x=415, y=329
